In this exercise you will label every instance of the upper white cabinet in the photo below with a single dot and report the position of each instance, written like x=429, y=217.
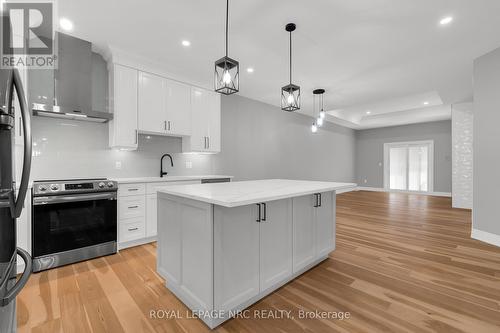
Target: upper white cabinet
x=164, y=106
x=152, y=91
x=123, y=103
x=178, y=108
x=205, y=122
x=144, y=102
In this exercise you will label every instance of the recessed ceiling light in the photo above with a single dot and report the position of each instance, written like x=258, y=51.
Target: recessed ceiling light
x=186, y=43
x=66, y=24
x=368, y=112
x=446, y=20
x=250, y=70
x=426, y=103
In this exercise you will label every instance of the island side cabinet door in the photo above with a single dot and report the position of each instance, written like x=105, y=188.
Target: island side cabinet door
x=236, y=255
x=325, y=224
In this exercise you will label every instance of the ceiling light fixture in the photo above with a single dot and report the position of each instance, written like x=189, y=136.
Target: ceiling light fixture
x=446, y=20
x=290, y=94
x=227, y=70
x=368, y=112
x=321, y=112
x=250, y=70
x=186, y=43
x=66, y=24
x=314, y=128
x=426, y=103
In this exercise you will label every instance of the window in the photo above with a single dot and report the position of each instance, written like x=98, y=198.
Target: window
x=408, y=166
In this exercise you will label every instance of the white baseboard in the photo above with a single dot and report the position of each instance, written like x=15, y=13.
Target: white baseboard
x=378, y=189
x=350, y=189
x=486, y=237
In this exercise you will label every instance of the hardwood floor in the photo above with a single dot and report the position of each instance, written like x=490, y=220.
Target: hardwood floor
x=403, y=263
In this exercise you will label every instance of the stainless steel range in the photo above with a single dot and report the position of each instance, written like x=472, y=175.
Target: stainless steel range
x=73, y=220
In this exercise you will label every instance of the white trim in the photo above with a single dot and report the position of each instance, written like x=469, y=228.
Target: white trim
x=344, y=190
x=429, y=143
x=379, y=189
x=485, y=236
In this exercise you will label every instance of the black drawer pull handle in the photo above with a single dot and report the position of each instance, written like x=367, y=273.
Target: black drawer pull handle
x=259, y=219
x=133, y=207
x=133, y=189
x=133, y=229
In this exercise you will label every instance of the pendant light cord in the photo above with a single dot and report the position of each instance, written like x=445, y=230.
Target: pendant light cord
x=290, y=57
x=227, y=22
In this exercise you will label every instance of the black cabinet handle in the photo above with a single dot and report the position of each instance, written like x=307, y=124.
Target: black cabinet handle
x=265, y=212
x=320, y=199
x=316, y=200
x=259, y=219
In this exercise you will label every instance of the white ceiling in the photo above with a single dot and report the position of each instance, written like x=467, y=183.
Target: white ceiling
x=386, y=56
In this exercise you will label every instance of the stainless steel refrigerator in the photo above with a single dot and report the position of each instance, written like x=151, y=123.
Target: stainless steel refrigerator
x=11, y=199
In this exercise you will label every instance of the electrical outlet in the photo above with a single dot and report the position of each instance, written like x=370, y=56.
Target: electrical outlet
x=118, y=165
x=189, y=165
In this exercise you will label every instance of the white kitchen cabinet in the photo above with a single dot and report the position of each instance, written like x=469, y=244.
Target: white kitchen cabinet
x=275, y=242
x=151, y=203
x=178, y=108
x=151, y=215
x=152, y=100
x=303, y=231
x=205, y=122
x=123, y=132
x=325, y=229
x=236, y=255
x=313, y=230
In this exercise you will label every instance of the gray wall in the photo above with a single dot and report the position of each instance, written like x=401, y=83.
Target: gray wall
x=261, y=141
x=370, y=151
x=486, y=195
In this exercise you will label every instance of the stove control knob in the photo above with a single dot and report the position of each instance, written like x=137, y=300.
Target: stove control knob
x=101, y=185
x=42, y=188
x=110, y=184
x=54, y=187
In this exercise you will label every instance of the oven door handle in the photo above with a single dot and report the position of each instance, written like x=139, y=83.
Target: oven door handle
x=73, y=198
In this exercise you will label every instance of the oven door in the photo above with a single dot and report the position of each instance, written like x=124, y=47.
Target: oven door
x=68, y=222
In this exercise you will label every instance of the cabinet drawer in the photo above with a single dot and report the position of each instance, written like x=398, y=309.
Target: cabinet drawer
x=152, y=188
x=132, y=229
x=125, y=190
x=131, y=207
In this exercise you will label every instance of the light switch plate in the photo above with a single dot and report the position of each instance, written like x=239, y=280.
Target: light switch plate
x=118, y=165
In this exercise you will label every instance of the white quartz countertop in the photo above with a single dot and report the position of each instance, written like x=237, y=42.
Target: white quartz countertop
x=166, y=179
x=249, y=192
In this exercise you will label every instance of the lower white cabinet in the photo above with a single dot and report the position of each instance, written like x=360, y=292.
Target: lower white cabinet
x=236, y=255
x=275, y=236
x=137, y=211
x=313, y=229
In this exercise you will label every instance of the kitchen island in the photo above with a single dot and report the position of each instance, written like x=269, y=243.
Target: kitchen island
x=222, y=247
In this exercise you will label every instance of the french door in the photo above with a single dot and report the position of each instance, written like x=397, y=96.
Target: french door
x=409, y=166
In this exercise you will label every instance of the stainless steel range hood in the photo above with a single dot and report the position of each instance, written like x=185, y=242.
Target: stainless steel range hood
x=69, y=86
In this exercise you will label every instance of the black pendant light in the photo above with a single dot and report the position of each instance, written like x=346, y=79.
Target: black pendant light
x=321, y=111
x=227, y=70
x=290, y=94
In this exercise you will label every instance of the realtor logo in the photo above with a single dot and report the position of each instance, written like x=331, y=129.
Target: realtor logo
x=27, y=38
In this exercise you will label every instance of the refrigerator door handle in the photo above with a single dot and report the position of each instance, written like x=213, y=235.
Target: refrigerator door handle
x=12, y=293
x=16, y=83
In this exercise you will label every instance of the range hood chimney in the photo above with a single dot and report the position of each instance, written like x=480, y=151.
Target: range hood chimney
x=71, y=84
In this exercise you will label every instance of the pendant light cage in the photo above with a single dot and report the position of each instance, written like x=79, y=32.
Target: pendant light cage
x=290, y=94
x=227, y=70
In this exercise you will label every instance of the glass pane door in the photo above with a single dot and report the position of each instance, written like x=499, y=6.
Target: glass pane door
x=408, y=166
x=418, y=168
x=398, y=167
